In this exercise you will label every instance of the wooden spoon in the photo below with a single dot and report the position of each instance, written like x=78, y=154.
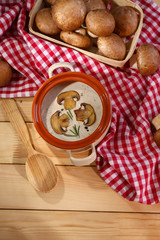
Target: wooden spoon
x=40, y=170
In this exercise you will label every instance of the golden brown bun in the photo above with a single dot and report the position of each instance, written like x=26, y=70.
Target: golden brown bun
x=94, y=4
x=75, y=39
x=5, y=73
x=126, y=20
x=45, y=23
x=112, y=47
x=100, y=23
x=69, y=14
x=148, y=59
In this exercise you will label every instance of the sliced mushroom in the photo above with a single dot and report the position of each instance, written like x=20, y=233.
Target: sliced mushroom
x=68, y=99
x=60, y=122
x=86, y=114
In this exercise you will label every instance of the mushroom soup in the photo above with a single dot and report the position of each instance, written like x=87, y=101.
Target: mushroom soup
x=76, y=126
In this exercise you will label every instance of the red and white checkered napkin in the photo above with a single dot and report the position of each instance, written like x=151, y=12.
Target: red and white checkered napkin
x=128, y=159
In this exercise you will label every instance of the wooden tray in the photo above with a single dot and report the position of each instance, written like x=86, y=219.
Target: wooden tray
x=131, y=44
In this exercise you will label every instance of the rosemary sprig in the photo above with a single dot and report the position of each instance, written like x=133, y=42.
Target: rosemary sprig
x=70, y=114
x=75, y=132
x=76, y=129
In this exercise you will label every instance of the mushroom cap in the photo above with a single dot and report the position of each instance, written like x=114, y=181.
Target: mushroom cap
x=156, y=137
x=69, y=14
x=75, y=39
x=45, y=23
x=148, y=59
x=112, y=47
x=94, y=4
x=156, y=121
x=126, y=20
x=5, y=73
x=100, y=22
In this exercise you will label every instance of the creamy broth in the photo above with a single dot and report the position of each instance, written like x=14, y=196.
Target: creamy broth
x=87, y=95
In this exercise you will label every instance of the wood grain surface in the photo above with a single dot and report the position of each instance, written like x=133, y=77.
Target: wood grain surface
x=58, y=225
x=78, y=189
x=82, y=205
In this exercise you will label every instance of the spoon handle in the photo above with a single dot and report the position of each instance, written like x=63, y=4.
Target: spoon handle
x=17, y=121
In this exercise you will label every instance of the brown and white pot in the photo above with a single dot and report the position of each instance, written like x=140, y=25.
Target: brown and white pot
x=91, y=92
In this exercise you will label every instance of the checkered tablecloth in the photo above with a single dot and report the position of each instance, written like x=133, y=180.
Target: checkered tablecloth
x=127, y=158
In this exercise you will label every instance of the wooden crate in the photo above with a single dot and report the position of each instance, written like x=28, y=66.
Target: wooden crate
x=130, y=44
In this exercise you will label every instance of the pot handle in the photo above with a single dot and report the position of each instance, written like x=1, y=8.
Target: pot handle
x=57, y=65
x=83, y=161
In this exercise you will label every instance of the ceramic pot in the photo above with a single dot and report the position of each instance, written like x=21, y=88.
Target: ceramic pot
x=92, y=92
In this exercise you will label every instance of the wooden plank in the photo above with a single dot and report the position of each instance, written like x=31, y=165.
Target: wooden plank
x=24, y=105
x=50, y=225
x=12, y=149
x=78, y=188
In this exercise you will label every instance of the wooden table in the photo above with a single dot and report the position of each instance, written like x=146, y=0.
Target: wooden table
x=81, y=206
